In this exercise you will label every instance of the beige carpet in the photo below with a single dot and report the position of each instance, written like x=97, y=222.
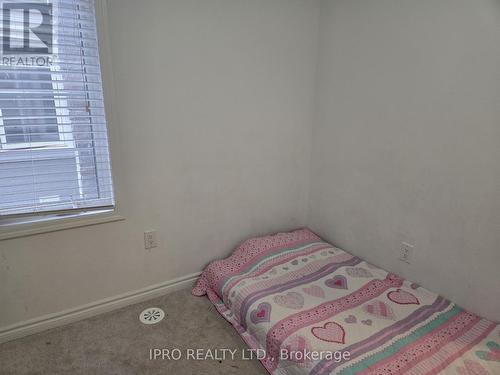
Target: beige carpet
x=117, y=343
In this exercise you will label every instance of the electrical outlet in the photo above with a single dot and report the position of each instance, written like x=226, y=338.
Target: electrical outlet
x=406, y=252
x=150, y=240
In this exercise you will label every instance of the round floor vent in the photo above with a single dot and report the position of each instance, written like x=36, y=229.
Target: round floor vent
x=152, y=315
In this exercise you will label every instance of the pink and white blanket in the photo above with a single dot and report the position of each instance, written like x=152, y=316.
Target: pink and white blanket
x=315, y=309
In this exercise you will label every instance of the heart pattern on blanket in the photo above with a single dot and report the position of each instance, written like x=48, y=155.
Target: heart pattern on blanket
x=472, y=368
x=493, y=354
x=379, y=309
x=262, y=314
x=358, y=272
x=295, y=262
x=351, y=319
x=315, y=291
x=403, y=297
x=292, y=300
x=330, y=332
x=337, y=282
x=367, y=322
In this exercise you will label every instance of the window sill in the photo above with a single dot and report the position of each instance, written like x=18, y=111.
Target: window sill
x=38, y=225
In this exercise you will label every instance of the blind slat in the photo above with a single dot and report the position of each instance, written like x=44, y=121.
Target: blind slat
x=48, y=72
x=96, y=204
x=6, y=171
x=81, y=124
x=7, y=118
x=62, y=190
x=48, y=80
x=89, y=45
x=53, y=91
x=81, y=203
x=48, y=182
x=58, y=173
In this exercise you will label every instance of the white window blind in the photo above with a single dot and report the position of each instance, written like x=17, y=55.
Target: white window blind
x=53, y=139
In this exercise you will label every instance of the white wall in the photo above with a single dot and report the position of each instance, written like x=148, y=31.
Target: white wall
x=210, y=131
x=406, y=145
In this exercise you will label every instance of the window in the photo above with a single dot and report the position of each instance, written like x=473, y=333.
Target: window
x=53, y=139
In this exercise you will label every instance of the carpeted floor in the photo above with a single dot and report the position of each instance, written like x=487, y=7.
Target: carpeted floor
x=117, y=343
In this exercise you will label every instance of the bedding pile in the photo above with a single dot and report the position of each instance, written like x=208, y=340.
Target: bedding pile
x=316, y=309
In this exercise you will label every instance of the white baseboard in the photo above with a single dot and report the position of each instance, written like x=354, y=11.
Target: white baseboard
x=49, y=321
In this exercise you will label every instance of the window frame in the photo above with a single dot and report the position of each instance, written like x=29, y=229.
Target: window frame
x=39, y=223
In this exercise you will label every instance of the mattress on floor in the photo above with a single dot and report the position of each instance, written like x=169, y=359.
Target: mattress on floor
x=293, y=293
